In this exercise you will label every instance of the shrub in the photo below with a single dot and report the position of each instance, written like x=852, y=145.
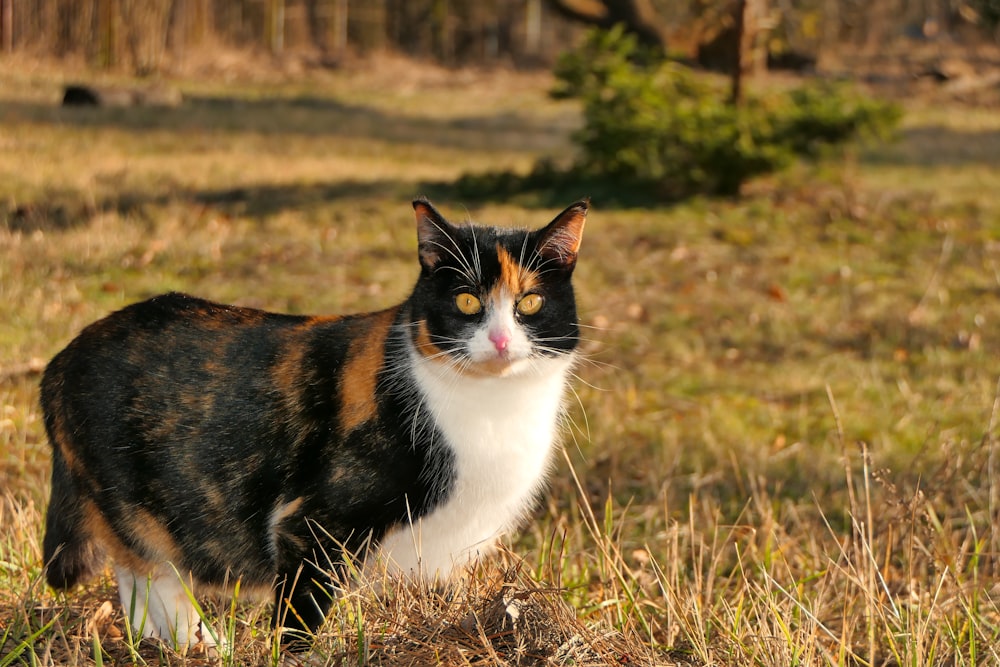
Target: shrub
x=657, y=125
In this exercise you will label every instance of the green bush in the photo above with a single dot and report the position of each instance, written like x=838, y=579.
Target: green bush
x=657, y=125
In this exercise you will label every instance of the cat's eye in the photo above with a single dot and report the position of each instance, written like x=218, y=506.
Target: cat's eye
x=530, y=304
x=468, y=304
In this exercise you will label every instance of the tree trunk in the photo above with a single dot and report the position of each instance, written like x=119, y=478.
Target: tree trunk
x=108, y=33
x=533, y=28
x=7, y=25
x=201, y=24
x=339, y=27
x=744, y=65
x=443, y=45
x=275, y=26
x=879, y=14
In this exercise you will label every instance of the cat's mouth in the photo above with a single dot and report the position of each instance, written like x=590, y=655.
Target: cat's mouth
x=499, y=366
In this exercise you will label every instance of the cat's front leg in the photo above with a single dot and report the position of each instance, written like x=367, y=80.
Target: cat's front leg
x=302, y=599
x=159, y=604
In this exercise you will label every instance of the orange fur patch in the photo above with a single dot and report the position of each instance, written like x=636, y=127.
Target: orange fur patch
x=62, y=441
x=281, y=512
x=97, y=526
x=422, y=341
x=360, y=375
x=154, y=535
x=287, y=374
x=215, y=499
x=490, y=368
x=222, y=317
x=286, y=510
x=514, y=278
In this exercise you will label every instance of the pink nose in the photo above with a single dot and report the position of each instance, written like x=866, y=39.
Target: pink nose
x=500, y=340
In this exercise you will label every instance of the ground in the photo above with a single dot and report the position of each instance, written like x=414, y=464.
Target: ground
x=782, y=446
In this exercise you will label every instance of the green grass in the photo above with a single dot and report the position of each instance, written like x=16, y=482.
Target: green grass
x=785, y=445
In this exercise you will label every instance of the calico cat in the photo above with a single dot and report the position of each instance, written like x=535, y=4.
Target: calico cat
x=199, y=444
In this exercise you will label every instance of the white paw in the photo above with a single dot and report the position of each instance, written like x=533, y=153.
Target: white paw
x=160, y=604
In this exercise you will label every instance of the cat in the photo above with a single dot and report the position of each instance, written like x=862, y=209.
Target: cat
x=199, y=444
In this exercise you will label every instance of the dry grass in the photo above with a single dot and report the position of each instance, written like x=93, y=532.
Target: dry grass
x=786, y=452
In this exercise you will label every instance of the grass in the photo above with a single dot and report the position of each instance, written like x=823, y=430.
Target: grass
x=785, y=445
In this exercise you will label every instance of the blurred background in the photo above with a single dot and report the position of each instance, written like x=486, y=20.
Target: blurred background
x=782, y=443
x=162, y=36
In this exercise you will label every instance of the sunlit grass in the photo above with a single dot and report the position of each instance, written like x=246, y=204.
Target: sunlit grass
x=785, y=452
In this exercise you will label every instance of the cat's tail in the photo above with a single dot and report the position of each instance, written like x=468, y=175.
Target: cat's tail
x=71, y=554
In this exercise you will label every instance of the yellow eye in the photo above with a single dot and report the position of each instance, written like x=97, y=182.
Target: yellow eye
x=530, y=304
x=469, y=304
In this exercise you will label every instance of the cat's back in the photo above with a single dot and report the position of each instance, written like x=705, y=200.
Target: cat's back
x=160, y=323
x=174, y=328
x=170, y=358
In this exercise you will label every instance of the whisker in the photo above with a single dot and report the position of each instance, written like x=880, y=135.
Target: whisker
x=583, y=411
x=591, y=385
x=475, y=254
x=458, y=256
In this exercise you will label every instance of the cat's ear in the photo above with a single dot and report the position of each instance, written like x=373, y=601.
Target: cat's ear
x=435, y=235
x=559, y=241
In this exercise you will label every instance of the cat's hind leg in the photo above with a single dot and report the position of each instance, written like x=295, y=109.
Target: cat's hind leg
x=161, y=605
x=71, y=554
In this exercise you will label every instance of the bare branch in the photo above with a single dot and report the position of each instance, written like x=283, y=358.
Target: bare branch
x=639, y=17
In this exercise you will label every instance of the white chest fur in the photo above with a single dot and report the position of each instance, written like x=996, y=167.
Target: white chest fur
x=501, y=431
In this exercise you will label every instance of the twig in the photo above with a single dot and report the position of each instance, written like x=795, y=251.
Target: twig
x=917, y=313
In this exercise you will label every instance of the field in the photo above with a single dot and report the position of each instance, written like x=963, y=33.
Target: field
x=783, y=444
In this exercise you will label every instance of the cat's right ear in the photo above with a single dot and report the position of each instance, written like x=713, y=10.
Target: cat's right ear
x=434, y=234
x=559, y=241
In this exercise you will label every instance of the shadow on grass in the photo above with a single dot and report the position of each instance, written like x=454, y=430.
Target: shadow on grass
x=546, y=187
x=262, y=201
x=309, y=116
x=63, y=210
x=60, y=209
x=939, y=146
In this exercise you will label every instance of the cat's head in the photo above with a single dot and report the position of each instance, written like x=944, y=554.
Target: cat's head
x=493, y=301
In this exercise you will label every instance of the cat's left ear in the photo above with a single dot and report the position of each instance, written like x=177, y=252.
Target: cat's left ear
x=559, y=241
x=435, y=235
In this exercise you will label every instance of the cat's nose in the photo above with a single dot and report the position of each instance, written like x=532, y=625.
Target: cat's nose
x=500, y=339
